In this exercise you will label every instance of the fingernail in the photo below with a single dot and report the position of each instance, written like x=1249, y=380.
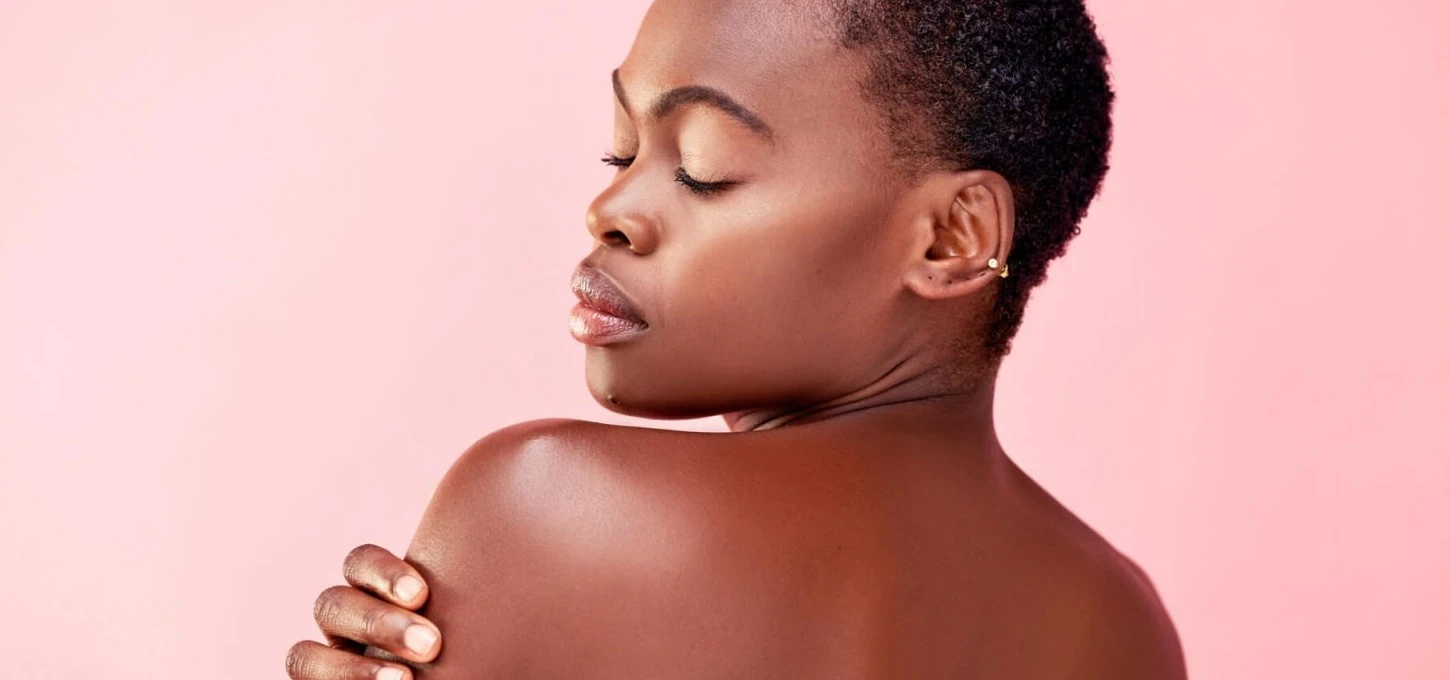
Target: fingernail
x=419, y=638
x=407, y=588
x=389, y=673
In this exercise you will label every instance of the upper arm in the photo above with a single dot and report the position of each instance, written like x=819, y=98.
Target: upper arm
x=544, y=549
x=472, y=490
x=482, y=552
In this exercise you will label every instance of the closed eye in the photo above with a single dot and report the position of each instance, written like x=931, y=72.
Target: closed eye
x=699, y=187
x=616, y=161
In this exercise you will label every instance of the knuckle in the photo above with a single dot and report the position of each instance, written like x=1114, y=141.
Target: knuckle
x=363, y=562
x=297, y=660
x=357, y=557
x=328, y=604
x=375, y=620
x=363, y=671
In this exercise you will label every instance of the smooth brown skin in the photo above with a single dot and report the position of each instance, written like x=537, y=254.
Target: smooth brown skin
x=862, y=521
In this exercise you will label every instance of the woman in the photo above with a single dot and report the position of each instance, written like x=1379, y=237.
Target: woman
x=826, y=222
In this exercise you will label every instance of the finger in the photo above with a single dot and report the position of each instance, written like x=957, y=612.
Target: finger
x=310, y=660
x=348, y=613
x=344, y=644
x=377, y=571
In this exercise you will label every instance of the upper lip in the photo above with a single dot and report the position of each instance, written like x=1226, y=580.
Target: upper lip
x=596, y=290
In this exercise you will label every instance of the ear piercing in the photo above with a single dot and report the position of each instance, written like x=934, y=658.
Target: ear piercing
x=994, y=264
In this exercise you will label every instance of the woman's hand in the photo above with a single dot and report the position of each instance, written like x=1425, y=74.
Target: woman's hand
x=375, y=609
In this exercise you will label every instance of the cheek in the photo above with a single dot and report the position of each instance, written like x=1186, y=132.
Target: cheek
x=803, y=292
x=759, y=307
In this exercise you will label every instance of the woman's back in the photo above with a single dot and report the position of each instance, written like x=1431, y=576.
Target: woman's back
x=858, y=547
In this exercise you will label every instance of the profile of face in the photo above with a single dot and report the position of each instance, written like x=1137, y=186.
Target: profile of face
x=759, y=247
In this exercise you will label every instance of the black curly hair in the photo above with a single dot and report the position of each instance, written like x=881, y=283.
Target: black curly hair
x=1018, y=87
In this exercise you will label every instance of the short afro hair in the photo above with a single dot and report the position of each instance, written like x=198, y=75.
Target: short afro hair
x=1018, y=87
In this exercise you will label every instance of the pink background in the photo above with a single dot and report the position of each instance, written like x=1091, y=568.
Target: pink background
x=266, y=267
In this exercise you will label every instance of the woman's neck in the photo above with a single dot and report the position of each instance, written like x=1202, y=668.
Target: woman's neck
x=944, y=397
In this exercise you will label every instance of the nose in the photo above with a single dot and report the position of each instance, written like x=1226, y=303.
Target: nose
x=613, y=224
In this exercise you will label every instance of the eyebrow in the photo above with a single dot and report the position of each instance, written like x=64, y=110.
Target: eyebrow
x=696, y=94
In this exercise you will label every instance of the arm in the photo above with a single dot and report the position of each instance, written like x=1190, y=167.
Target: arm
x=373, y=625
x=481, y=548
x=367, y=623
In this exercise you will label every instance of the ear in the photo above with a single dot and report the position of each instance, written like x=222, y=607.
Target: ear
x=966, y=220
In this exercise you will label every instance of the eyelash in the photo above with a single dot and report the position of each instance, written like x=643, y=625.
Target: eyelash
x=695, y=186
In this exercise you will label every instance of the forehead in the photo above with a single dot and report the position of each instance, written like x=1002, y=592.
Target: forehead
x=756, y=31
x=777, y=57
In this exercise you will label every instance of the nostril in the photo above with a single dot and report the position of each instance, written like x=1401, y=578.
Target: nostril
x=615, y=238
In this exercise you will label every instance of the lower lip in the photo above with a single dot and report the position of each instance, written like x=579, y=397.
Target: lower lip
x=593, y=327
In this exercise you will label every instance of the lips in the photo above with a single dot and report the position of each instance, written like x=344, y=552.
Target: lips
x=604, y=315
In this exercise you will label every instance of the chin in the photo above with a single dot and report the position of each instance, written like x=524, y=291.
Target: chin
x=645, y=393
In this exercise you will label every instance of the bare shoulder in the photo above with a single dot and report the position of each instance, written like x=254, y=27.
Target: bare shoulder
x=1016, y=586
x=1124, y=632
x=550, y=543
x=564, y=437
x=1108, y=619
x=557, y=545
x=538, y=480
x=544, y=437
x=554, y=447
